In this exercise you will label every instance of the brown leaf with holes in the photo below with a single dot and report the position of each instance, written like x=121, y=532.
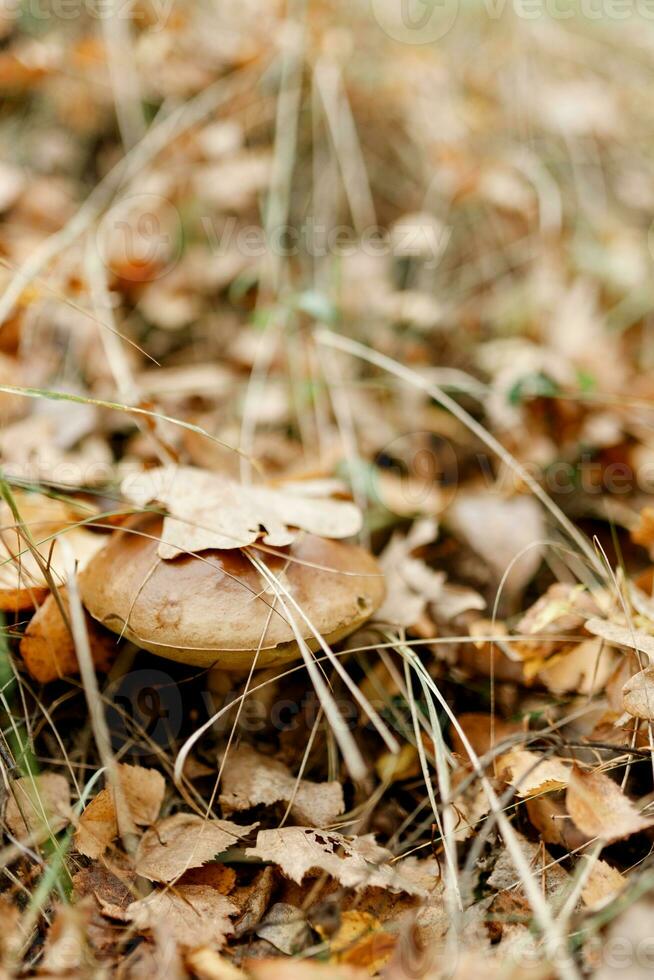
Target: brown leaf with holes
x=356, y=862
x=143, y=791
x=599, y=808
x=250, y=779
x=184, y=841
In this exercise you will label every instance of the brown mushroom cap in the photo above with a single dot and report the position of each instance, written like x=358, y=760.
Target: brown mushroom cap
x=213, y=609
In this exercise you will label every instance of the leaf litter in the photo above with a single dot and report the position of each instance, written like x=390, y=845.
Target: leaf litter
x=465, y=779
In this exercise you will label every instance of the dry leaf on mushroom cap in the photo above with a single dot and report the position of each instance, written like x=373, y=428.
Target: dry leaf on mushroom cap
x=215, y=609
x=250, y=778
x=207, y=511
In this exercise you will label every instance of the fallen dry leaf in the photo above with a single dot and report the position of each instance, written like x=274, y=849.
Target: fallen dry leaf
x=531, y=773
x=285, y=927
x=412, y=586
x=599, y=808
x=65, y=952
x=250, y=779
x=622, y=635
x=48, y=649
x=638, y=694
x=29, y=544
x=253, y=900
x=583, y=668
x=219, y=876
x=38, y=806
x=356, y=862
x=550, y=818
x=192, y=915
x=183, y=841
x=561, y=611
x=482, y=731
x=410, y=583
x=508, y=533
x=208, y=511
x=206, y=964
x=361, y=941
x=602, y=885
x=143, y=791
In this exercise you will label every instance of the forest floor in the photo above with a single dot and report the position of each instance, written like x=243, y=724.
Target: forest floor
x=327, y=459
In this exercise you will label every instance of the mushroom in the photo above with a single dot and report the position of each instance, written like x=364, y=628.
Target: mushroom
x=213, y=609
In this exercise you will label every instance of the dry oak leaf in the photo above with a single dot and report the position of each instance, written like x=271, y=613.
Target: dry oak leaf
x=357, y=862
x=38, y=806
x=250, y=779
x=206, y=510
x=599, y=808
x=638, y=694
x=192, y=915
x=183, y=841
x=602, y=885
x=143, y=792
x=531, y=774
